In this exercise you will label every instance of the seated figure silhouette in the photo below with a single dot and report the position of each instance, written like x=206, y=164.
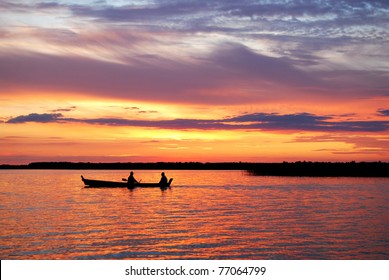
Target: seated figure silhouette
x=131, y=181
x=163, y=182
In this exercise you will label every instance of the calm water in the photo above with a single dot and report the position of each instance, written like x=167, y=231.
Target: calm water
x=206, y=215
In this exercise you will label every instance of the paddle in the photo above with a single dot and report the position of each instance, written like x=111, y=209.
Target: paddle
x=124, y=179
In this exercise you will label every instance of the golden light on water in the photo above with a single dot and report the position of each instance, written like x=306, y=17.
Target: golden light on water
x=205, y=215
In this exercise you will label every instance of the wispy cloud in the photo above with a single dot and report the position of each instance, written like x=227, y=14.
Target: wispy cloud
x=244, y=74
x=361, y=144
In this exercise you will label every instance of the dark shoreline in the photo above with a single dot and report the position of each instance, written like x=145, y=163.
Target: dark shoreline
x=300, y=168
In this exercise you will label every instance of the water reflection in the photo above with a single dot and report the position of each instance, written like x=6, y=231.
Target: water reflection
x=205, y=215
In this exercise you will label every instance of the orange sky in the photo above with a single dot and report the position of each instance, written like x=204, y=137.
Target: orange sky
x=170, y=81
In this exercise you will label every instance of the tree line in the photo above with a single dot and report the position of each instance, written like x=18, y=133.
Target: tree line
x=299, y=168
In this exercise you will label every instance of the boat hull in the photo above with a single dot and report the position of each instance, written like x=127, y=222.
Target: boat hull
x=89, y=183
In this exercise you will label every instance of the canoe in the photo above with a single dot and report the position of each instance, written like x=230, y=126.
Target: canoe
x=89, y=183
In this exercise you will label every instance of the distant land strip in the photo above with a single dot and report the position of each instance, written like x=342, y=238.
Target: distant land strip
x=299, y=168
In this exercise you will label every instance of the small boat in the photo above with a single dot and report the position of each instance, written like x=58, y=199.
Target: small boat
x=112, y=184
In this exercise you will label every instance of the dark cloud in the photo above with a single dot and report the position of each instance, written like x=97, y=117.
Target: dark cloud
x=139, y=111
x=257, y=121
x=323, y=19
x=130, y=13
x=383, y=112
x=34, y=117
x=306, y=122
x=301, y=120
x=163, y=9
x=68, y=109
x=343, y=9
x=281, y=9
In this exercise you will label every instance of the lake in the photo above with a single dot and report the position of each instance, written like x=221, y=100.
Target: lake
x=48, y=214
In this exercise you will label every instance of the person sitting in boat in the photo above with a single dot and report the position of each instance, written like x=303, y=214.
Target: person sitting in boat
x=131, y=181
x=163, y=181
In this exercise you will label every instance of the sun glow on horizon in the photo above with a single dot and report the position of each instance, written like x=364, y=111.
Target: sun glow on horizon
x=81, y=134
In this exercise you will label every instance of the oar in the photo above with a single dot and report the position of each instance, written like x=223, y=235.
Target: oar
x=124, y=179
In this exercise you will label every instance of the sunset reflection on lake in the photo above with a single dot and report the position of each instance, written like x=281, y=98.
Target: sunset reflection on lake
x=48, y=214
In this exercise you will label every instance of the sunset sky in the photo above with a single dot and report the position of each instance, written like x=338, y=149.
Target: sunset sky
x=186, y=80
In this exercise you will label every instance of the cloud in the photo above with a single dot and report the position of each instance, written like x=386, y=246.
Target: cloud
x=374, y=144
x=319, y=18
x=356, y=140
x=34, y=117
x=245, y=8
x=247, y=64
x=229, y=74
x=294, y=118
x=161, y=80
x=68, y=109
x=323, y=19
x=383, y=112
x=307, y=122
x=295, y=9
x=257, y=121
x=130, y=13
x=208, y=52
